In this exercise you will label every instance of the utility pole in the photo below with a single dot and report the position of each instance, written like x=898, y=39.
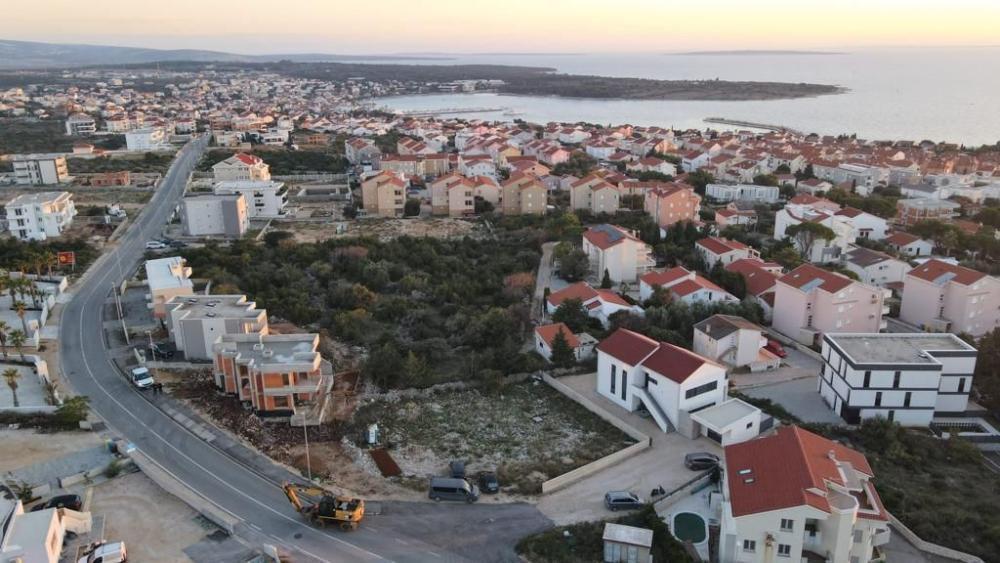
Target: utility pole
x=121, y=317
x=152, y=351
x=305, y=433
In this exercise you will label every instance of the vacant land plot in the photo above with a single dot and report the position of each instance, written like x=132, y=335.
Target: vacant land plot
x=529, y=433
x=21, y=448
x=155, y=525
x=381, y=229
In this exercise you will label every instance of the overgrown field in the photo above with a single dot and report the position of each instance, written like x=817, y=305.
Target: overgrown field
x=528, y=433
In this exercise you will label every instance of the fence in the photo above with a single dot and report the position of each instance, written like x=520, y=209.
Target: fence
x=642, y=441
x=684, y=490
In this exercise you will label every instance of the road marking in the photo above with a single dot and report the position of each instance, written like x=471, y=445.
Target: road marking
x=83, y=308
x=404, y=542
x=434, y=553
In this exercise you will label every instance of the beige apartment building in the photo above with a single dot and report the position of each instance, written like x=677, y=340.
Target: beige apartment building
x=242, y=167
x=595, y=194
x=383, y=195
x=523, y=194
x=672, y=204
x=40, y=169
x=167, y=278
x=943, y=297
x=810, y=301
x=195, y=322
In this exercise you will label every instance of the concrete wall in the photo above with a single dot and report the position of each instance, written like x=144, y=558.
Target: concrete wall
x=928, y=547
x=642, y=441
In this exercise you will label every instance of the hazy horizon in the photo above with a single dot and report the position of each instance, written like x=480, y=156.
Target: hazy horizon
x=472, y=26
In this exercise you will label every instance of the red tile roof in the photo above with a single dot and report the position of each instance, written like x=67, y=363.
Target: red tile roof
x=758, y=280
x=901, y=239
x=605, y=236
x=934, y=269
x=247, y=159
x=783, y=468
x=549, y=332
x=831, y=282
x=719, y=246
x=578, y=290
x=627, y=346
x=675, y=363
x=665, y=277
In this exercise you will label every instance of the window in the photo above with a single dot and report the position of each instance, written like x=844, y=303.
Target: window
x=906, y=399
x=284, y=380
x=749, y=546
x=614, y=375
x=878, y=399
x=786, y=525
x=858, y=536
x=784, y=550
x=892, y=415
x=868, y=378
x=961, y=385
x=695, y=391
x=624, y=383
x=895, y=381
x=280, y=402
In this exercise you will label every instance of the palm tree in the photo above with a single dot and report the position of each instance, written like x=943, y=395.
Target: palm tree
x=20, y=308
x=17, y=339
x=4, y=330
x=12, y=375
x=50, y=259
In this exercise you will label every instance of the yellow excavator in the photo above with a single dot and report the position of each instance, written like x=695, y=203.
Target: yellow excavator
x=321, y=507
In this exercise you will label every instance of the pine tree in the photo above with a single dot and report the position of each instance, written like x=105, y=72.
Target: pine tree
x=606, y=280
x=562, y=354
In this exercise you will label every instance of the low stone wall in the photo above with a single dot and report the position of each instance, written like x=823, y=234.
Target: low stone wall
x=928, y=547
x=642, y=441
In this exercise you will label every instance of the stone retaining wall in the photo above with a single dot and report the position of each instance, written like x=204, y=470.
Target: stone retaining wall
x=642, y=441
x=928, y=547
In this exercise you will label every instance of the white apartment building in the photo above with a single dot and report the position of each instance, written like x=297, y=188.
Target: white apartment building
x=680, y=389
x=943, y=297
x=167, y=278
x=734, y=341
x=196, y=322
x=743, y=192
x=215, y=215
x=265, y=199
x=40, y=170
x=146, y=139
x=80, y=124
x=618, y=252
x=795, y=496
x=874, y=267
x=40, y=216
x=902, y=377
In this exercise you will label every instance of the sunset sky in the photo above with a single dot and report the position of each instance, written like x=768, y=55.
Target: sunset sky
x=471, y=26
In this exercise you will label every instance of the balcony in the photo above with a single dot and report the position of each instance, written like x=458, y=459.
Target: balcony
x=881, y=537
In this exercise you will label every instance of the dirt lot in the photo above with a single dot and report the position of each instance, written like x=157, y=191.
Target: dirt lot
x=20, y=448
x=154, y=525
x=528, y=434
x=382, y=229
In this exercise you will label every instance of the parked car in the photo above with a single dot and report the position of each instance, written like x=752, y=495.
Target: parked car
x=699, y=461
x=155, y=245
x=488, y=483
x=141, y=378
x=72, y=502
x=622, y=500
x=774, y=347
x=178, y=244
x=445, y=488
x=456, y=469
x=103, y=552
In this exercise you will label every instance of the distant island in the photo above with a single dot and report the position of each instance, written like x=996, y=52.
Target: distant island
x=756, y=52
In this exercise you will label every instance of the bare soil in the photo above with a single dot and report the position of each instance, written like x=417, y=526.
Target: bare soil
x=155, y=525
x=20, y=448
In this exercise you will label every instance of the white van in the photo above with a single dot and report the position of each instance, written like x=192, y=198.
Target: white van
x=106, y=553
x=141, y=378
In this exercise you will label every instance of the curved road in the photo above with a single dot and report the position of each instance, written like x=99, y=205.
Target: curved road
x=405, y=532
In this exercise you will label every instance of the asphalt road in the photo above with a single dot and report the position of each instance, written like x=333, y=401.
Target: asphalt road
x=405, y=532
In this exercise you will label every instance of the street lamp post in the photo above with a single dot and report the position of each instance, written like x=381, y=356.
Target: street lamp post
x=152, y=351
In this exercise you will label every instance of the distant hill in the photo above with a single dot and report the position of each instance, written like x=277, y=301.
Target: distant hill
x=758, y=52
x=31, y=54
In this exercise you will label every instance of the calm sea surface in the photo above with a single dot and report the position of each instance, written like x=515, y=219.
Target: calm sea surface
x=944, y=94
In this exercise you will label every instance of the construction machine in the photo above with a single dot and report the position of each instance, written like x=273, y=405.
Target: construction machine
x=321, y=507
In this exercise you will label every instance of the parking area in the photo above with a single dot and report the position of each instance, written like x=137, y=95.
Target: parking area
x=800, y=397
x=796, y=365
x=662, y=464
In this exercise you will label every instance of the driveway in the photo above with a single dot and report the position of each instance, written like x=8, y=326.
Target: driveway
x=542, y=280
x=797, y=365
x=662, y=464
x=800, y=397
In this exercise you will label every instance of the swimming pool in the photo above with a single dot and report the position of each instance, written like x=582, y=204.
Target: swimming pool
x=688, y=526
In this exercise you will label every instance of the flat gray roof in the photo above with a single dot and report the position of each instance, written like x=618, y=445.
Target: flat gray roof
x=897, y=348
x=225, y=306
